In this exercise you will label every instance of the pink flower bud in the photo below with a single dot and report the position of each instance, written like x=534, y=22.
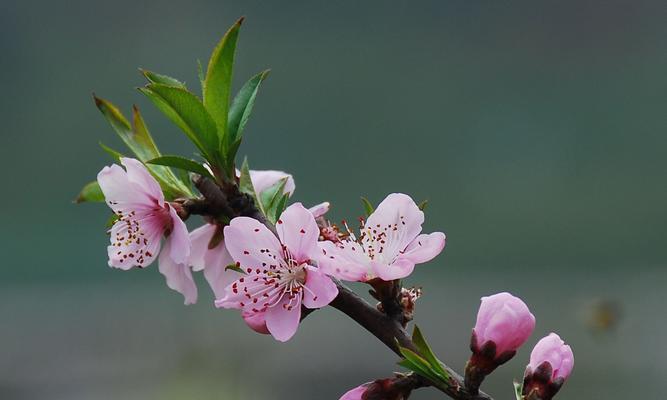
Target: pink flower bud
x=553, y=350
x=504, y=320
x=551, y=363
x=503, y=324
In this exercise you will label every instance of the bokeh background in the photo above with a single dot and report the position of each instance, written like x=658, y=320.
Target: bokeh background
x=537, y=131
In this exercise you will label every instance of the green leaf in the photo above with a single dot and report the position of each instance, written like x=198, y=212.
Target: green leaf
x=181, y=163
x=271, y=198
x=218, y=81
x=235, y=267
x=170, y=183
x=116, y=155
x=187, y=112
x=422, y=205
x=241, y=107
x=90, y=193
x=518, y=389
x=153, y=77
x=282, y=204
x=200, y=74
x=427, y=352
x=368, y=207
x=112, y=220
x=416, y=368
x=417, y=364
x=246, y=186
x=138, y=141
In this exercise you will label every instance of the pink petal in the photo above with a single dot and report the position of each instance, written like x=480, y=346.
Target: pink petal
x=251, y=244
x=298, y=231
x=345, y=260
x=119, y=190
x=400, y=211
x=320, y=209
x=283, y=320
x=218, y=276
x=356, y=393
x=178, y=275
x=397, y=270
x=256, y=321
x=178, y=239
x=425, y=247
x=138, y=173
x=320, y=289
x=199, y=240
x=262, y=180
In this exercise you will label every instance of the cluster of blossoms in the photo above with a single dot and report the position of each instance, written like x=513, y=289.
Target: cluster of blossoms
x=267, y=275
x=275, y=262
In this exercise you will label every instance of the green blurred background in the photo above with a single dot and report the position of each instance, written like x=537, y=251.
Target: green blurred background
x=537, y=130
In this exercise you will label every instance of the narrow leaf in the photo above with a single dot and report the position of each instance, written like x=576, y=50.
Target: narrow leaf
x=422, y=206
x=427, y=352
x=200, y=74
x=112, y=220
x=116, y=155
x=242, y=105
x=246, y=186
x=139, y=142
x=423, y=364
x=181, y=163
x=282, y=204
x=270, y=197
x=235, y=267
x=368, y=207
x=186, y=111
x=518, y=389
x=418, y=369
x=218, y=81
x=154, y=77
x=90, y=193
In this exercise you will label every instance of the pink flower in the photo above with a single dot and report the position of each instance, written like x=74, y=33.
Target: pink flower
x=356, y=393
x=143, y=217
x=280, y=275
x=552, y=350
x=503, y=320
x=389, y=246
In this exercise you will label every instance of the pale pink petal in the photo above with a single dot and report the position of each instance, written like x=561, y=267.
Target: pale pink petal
x=298, y=231
x=397, y=270
x=553, y=350
x=138, y=173
x=199, y=240
x=320, y=209
x=262, y=180
x=425, y=247
x=118, y=191
x=251, y=244
x=178, y=275
x=320, y=290
x=282, y=320
x=397, y=221
x=356, y=393
x=256, y=321
x=178, y=238
x=218, y=276
x=345, y=260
